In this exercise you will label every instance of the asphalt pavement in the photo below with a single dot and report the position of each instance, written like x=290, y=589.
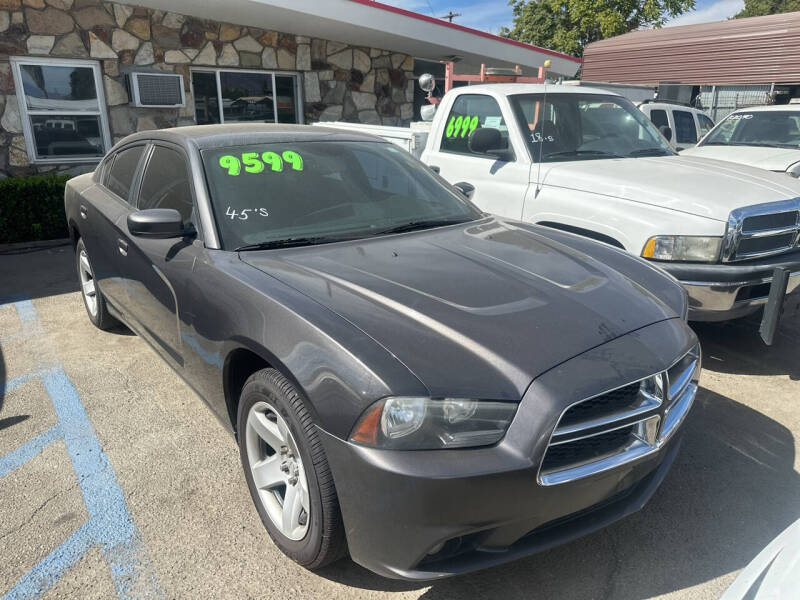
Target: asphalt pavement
x=116, y=480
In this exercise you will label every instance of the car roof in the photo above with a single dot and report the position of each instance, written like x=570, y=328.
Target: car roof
x=510, y=89
x=671, y=105
x=769, y=108
x=204, y=137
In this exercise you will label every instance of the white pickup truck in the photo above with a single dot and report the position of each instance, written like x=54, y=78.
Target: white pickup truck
x=589, y=162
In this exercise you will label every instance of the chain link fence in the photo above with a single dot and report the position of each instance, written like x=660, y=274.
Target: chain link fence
x=718, y=101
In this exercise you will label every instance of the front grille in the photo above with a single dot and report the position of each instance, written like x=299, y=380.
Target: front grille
x=763, y=230
x=751, y=246
x=596, y=408
x=586, y=449
x=773, y=221
x=621, y=425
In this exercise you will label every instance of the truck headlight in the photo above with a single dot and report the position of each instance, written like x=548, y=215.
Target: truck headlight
x=794, y=171
x=683, y=248
x=411, y=423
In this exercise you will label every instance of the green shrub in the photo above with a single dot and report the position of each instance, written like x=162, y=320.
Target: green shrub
x=32, y=208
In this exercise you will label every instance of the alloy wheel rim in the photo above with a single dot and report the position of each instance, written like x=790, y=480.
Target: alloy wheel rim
x=277, y=470
x=88, y=287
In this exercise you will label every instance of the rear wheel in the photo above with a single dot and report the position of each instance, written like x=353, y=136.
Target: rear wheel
x=93, y=300
x=287, y=471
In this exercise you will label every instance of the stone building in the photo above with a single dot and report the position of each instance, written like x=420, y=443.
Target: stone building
x=67, y=66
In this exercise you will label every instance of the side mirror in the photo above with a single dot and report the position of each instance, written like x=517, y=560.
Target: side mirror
x=488, y=140
x=156, y=223
x=465, y=188
x=666, y=132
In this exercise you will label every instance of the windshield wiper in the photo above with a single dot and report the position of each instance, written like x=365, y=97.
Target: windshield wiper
x=582, y=153
x=415, y=225
x=649, y=152
x=290, y=243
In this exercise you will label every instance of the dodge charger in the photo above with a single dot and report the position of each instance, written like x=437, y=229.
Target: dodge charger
x=424, y=386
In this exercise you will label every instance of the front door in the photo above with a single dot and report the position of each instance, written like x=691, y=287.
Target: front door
x=499, y=185
x=157, y=269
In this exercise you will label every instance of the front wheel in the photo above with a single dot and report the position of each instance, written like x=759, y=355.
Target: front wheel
x=287, y=471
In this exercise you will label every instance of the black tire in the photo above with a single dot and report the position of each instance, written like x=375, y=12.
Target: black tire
x=102, y=319
x=325, y=540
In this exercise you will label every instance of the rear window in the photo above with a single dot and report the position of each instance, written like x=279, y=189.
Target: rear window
x=120, y=176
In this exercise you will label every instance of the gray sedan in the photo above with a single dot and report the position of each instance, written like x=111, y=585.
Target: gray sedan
x=428, y=387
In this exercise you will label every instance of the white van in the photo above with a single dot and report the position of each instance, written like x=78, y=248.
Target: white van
x=684, y=124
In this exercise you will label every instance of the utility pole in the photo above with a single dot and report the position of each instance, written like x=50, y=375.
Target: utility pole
x=450, y=16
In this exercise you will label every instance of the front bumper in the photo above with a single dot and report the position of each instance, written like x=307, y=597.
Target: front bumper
x=431, y=514
x=719, y=292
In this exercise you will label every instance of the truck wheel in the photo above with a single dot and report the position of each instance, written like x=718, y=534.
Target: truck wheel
x=93, y=300
x=287, y=471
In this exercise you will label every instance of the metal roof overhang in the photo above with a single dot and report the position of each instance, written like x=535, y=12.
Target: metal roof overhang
x=376, y=25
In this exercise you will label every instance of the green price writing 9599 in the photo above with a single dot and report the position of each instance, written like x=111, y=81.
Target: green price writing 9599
x=254, y=162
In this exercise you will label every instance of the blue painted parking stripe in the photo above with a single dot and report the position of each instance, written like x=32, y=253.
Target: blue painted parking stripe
x=25, y=310
x=110, y=525
x=28, y=450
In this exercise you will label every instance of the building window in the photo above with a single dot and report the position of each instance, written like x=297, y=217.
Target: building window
x=62, y=108
x=222, y=96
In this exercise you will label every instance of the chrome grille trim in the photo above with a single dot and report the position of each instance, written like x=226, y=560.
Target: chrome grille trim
x=652, y=423
x=737, y=231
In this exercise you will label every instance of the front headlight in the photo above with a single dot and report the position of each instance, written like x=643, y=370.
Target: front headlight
x=410, y=423
x=794, y=171
x=683, y=248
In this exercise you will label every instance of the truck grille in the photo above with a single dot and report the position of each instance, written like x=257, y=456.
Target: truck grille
x=621, y=425
x=763, y=230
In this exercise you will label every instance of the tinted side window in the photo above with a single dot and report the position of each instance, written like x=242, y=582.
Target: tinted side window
x=122, y=171
x=470, y=112
x=706, y=124
x=659, y=117
x=166, y=183
x=684, y=124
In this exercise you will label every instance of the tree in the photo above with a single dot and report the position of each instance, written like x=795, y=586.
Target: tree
x=757, y=8
x=568, y=25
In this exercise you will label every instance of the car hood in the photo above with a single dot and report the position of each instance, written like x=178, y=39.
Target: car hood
x=772, y=159
x=689, y=184
x=476, y=310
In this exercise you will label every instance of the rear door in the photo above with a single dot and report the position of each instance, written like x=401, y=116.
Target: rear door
x=158, y=269
x=499, y=186
x=685, y=130
x=105, y=205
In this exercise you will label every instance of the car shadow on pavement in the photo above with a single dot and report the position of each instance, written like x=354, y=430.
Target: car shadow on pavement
x=735, y=347
x=731, y=490
x=45, y=272
x=2, y=378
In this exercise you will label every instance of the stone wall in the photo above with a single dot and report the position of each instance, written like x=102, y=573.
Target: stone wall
x=339, y=81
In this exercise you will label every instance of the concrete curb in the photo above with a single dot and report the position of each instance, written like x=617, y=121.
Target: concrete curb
x=32, y=245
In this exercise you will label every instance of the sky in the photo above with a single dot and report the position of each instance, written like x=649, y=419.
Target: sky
x=491, y=15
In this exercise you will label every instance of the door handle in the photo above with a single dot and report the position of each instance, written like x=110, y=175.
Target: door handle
x=123, y=247
x=434, y=168
x=83, y=211
x=465, y=188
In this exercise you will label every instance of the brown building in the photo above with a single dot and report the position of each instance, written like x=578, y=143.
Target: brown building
x=739, y=62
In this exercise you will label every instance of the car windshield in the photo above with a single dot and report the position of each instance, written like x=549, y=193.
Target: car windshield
x=775, y=129
x=564, y=127
x=302, y=193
